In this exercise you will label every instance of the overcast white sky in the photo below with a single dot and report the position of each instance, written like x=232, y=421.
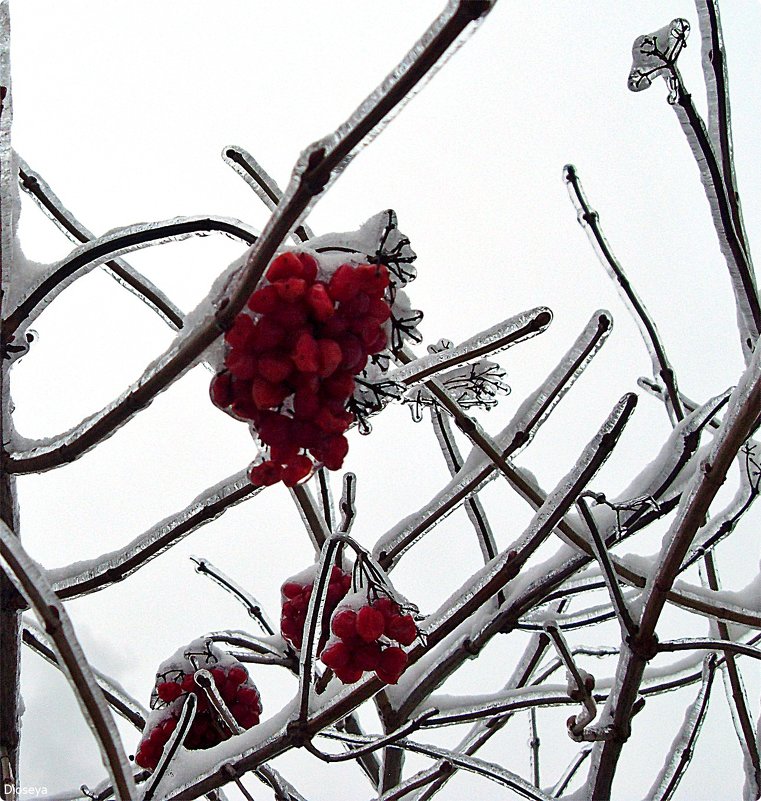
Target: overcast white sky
x=124, y=108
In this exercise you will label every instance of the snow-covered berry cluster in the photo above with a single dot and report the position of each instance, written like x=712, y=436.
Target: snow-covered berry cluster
x=363, y=639
x=292, y=356
x=295, y=594
x=175, y=680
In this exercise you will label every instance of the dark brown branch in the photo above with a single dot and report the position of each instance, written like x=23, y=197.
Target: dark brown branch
x=44, y=196
x=590, y=219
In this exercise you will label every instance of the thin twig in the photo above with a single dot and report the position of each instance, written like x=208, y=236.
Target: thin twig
x=590, y=220
x=736, y=694
x=601, y=552
x=251, y=605
x=261, y=182
x=126, y=274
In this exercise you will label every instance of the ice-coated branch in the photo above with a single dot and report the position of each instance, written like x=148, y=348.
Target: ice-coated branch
x=601, y=553
x=109, y=247
x=372, y=744
x=507, y=566
x=82, y=578
x=589, y=219
x=738, y=258
x=728, y=646
x=570, y=771
x=714, y=61
x=30, y=581
x=176, y=739
x=265, y=187
x=499, y=337
x=735, y=691
x=348, y=507
x=37, y=188
x=250, y=604
x=480, y=767
x=740, y=421
x=11, y=600
x=473, y=506
x=313, y=520
x=129, y=708
x=480, y=467
x=482, y=731
x=681, y=751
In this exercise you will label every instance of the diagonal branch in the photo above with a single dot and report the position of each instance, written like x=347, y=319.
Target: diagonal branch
x=29, y=580
x=34, y=185
x=92, y=575
x=589, y=219
x=739, y=423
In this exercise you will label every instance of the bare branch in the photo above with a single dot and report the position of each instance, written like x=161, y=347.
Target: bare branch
x=83, y=578
x=30, y=581
x=124, y=273
x=589, y=219
x=251, y=605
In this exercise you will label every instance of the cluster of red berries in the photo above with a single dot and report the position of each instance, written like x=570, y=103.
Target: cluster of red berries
x=290, y=363
x=295, y=595
x=362, y=641
x=238, y=693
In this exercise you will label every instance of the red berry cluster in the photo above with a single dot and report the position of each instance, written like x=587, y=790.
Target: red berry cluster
x=295, y=597
x=237, y=691
x=290, y=365
x=363, y=641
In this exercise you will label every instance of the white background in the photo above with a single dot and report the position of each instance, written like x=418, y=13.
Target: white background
x=124, y=108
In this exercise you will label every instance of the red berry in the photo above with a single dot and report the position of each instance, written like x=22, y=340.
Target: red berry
x=286, y=265
x=392, y=663
x=265, y=474
x=291, y=289
x=291, y=315
x=291, y=589
x=386, y=607
x=264, y=300
x=370, y=623
x=354, y=356
x=250, y=698
x=267, y=335
x=237, y=674
x=168, y=691
x=340, y=385
x=241, y=332
x=240, y=363
x=274, y=367
x=401, y=628
x=306, y=354
x=379, y=310
x=320, y=302
x=188, y=683
x=334, y=451
x=336, y=656
x=266, y=395
x=349, y=674
x=297, y=469
x=305, y=404
x=221, y=390
x=344, y=283
x=344, y=624
x=367, y=655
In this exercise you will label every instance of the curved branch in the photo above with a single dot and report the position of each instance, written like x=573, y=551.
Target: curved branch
x=112, y=245
x=31, y=582
x=125, y=273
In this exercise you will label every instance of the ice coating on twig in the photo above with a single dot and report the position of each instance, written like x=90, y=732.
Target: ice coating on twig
x=90, y=575
x=515, y=436
x=31, y=582
x=130, y=278
x=680, y=753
